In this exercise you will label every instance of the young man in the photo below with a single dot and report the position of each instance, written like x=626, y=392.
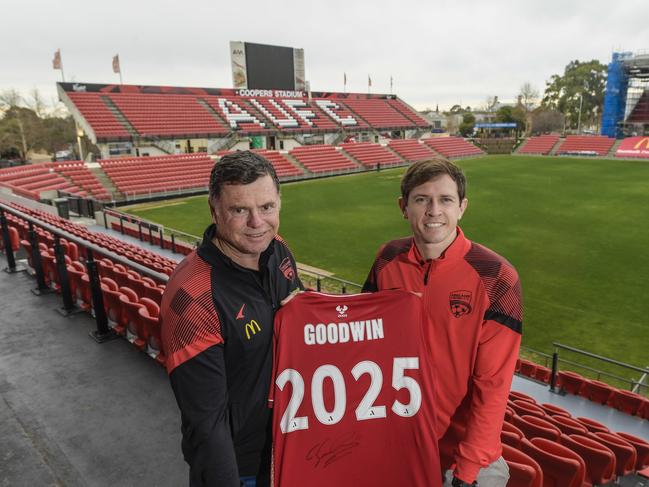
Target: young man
x=473, y=298
x=217, y=325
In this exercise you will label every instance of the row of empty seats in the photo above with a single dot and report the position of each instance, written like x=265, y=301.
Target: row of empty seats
x=544, y=444
x=370, y=155
x=586, y=144
x=453, y=147
x=595, y=390
x=81, y=176
x=322, y=158
x=29, y=181
x=145, y=175
x=640, y=113
x=411, y=149
x=541, y=144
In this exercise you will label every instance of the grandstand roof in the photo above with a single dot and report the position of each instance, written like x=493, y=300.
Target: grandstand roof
x=128, y=112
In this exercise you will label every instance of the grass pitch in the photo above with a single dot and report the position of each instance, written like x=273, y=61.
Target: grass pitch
x=574, y=228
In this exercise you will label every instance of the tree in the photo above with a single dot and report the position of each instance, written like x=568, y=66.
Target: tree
x=545, y=121
x=24, y=129
x=583, y=83
x=528, y=96
x=468, y=122
x=509, y=114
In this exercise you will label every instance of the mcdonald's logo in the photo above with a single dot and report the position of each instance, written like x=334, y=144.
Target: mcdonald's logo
x=644, y=141
x=252, y=327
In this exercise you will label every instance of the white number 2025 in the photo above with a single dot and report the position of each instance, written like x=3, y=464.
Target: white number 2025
x=366, y=408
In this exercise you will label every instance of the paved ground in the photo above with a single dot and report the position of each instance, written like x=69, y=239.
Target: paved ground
x=74, y=412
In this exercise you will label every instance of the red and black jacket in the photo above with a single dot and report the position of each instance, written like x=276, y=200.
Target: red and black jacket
x=217, y=327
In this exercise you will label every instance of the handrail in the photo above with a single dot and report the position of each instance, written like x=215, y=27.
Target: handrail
x=600, y=357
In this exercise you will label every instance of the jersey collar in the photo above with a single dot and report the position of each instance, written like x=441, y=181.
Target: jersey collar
x=212, y=254
x=454, y=252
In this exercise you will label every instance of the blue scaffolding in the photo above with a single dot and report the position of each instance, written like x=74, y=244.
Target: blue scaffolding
x=617, y=83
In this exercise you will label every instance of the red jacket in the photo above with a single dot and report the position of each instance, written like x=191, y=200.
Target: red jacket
x=473, y=297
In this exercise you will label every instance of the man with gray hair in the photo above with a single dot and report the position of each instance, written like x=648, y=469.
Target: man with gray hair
x=217, y=325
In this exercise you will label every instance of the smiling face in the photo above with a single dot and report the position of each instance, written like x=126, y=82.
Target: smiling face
x=433, y=210
x=247, y=219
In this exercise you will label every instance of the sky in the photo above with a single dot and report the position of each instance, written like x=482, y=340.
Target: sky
x=437, y=52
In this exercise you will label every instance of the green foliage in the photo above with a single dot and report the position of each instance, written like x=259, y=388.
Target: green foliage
x=563, y=92
x=574, y=229
x=508, y=114
x=468, y=122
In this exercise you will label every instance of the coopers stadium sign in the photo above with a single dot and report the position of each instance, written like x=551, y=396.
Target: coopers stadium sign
x=271, y=93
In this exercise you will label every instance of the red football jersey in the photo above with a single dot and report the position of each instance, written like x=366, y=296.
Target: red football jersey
x=353, y=392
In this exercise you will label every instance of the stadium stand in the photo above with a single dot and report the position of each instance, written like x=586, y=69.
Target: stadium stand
x=150, y=175
x=98, y=115
x=634, y=148
x=81, y=176
x=322, y=158
x=122, y=112
x=411, y=150
x=166, y=114
x=595, y=145
x=29, y=181
x=370, y=155
x=541, y=144
x=640, y=112
x=282, y=165
x=453, y=147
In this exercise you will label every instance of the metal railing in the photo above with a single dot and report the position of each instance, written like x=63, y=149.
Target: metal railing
x=103, y=332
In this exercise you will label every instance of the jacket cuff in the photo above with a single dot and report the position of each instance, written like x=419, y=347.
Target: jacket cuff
x=467, y=470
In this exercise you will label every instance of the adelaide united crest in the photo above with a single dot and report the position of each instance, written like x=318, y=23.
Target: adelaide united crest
x=460, y=302
x=287, y=269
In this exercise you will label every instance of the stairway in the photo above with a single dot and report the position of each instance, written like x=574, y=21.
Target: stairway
x=120, y=116
x=105, y=181
x=555, y=147
x=614, y=147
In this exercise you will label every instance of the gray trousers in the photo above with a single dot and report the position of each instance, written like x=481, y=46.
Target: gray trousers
x=494, y=475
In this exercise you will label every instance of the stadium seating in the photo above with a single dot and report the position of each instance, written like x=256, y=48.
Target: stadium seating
x=561, y=466
x=378, y=114
x=535, y=427
x=554, y=410
x=524, y=471
x=541, y=144
x=453, y=147
x=598, y=391
x=322, y=158
x=571, y=382
x=411, y=150
x=598, y=459
x=283, y=167
x=586, y=145
x=407, y=112
x=29, y=181
x=157, y=114
x=627, y=401
x=640, y=112
x=516, y=395
x=99, y=116
x=81, y=176
x=149, y=175
x=625, y=453
x=370, y=155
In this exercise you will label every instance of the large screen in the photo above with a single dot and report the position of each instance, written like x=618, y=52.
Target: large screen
x=262, y=66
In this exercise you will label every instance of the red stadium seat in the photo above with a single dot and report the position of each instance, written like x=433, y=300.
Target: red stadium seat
x=627, y=401
x=131, y=305
x=521, y=407
x=543, y=374
x=598, y=459
x=568, y=426
x=509, y=414
x=515, y=395
x=75, y=270
x=116, y=315
x=535, y=427
x=641, y=448
x=528, y=368
x=625, y=453
x=554, y=410
x=524, y=471
x=561, y=466
x=150, y=317
x=571, y=382
x=598, y=391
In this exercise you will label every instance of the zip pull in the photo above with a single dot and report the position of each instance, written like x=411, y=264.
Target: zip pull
x=430, y=264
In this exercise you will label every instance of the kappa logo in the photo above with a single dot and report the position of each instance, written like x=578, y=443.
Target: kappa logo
x=287, y=269
x=460, y=303
x=342, y=311
x=240, y=313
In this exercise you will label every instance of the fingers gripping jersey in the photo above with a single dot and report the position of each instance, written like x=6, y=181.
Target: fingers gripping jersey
x=353, y=392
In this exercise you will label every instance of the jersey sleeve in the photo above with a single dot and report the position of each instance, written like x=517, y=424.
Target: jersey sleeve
x=492, y=376
x=371, y=284
x=200, y=387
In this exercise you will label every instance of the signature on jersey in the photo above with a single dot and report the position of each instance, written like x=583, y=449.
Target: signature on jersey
x=326, y=452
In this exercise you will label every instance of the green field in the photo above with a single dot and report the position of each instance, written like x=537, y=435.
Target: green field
x=574, y=228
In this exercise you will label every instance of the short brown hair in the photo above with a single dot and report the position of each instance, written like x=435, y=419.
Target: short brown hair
x=423, y=171
x=241, y=167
